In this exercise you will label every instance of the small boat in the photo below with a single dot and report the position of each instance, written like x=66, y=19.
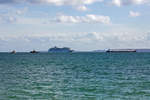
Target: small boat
x=13, y=52
x=33, y=51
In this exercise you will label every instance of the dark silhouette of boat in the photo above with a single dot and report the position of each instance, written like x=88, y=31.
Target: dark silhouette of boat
x=121, y=50
x=13, y=52
x=33, y=51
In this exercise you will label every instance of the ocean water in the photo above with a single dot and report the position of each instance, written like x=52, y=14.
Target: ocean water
x=75, y=76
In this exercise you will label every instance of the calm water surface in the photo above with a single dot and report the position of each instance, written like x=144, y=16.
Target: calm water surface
x=75, y=76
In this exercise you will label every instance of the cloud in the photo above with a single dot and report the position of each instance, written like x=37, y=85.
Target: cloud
x=134, y=14
x=116, y=2
x=78, y=4
x=7, y=19
x=83, y=19
x=11, y=15
x=21, y=11
x=79, y=41
x=17, y=16
x=82, y=8
x=54, y=2
x=128, y=2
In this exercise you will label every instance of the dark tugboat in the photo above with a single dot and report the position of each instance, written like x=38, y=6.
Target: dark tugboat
x=13, y=52
x=33, y=51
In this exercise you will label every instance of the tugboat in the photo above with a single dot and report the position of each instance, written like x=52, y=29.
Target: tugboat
x=13, y=52
x=33, y=51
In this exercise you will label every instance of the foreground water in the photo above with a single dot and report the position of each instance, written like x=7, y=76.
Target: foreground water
x=75, y=76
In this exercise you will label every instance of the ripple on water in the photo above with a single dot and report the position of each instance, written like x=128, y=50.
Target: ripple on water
x=77, y=76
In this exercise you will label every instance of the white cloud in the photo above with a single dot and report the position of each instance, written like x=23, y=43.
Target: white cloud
x=21, y=11
x=54, y=2
x=134, y=14
x=74, y=2
x=84, y=19
x=85, y=40
x=128, y=2
x=116, y=2
x=70, y=2
x=82, y=8
x=7, y=19
x=11, y=14
x=78, y=4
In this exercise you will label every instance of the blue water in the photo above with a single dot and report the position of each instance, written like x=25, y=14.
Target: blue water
x=75, y=76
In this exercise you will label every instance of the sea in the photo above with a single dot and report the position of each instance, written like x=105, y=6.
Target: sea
x=75, y=76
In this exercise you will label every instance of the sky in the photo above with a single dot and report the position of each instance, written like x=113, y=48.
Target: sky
x=79, y=24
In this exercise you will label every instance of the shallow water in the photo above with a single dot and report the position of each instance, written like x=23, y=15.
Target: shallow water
x=75, y=76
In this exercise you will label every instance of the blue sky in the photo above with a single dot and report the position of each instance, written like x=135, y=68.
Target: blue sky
x=80, y=24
